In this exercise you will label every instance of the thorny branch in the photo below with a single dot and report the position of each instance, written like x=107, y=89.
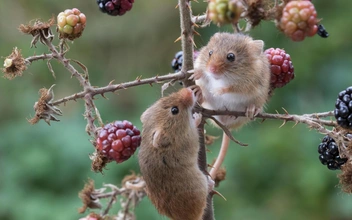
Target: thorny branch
x=134, y=191
x=91, y=112
x=314, y=120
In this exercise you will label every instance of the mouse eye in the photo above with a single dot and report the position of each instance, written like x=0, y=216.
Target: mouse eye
x=210, y=52
x=231, y=57
x=174, y=110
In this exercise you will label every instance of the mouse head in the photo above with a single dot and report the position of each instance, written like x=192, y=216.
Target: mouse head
x=231, y=53
x=169, y=118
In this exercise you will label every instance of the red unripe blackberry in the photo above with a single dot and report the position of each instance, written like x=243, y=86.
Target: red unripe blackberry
x=299, y=20
x=343, y=110
x=282, y=70
x=115, y=7
x=329, y=154
x=118, y=140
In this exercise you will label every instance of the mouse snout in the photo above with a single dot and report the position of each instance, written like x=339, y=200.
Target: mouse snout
x=214, y=68
x=187, y=96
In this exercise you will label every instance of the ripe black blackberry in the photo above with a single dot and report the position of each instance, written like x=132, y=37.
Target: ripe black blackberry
x=115, y=7
x=322, y=31
x=176, y=63
x=343, y=110
x=329, y=154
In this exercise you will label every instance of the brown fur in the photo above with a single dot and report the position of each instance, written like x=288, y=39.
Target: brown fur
x=168, y=158
x=247, y=75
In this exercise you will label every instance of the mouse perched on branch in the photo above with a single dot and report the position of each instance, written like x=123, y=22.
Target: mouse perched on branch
x=168, y=156
x=233, y=74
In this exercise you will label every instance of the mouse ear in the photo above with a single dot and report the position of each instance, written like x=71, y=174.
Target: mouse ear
x=258, y=46
x=146, y=115
x=161, y=139
x=143, y=117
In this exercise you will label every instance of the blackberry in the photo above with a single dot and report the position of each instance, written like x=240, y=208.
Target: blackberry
x=71, y=23
x=115, y=7
x=343, y=110
x=299, y=20
x=322, y=32
x=281, y=67
x=225, y=11
x=176, y=63
x=329, y=154
x=118, y=140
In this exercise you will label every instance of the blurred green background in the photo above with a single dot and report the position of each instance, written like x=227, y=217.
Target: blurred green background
x=278, y=176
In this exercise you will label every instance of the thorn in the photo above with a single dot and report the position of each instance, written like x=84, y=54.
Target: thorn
x=210, y=166
x=188, y=6
x=195, y=32
x=111, y=82
x=217, y=193
x=283, y=124
x=277, y=112
x=139, y=78
x=195, y=25
x=263, y=119
x=103, y=95
x=207, y=173
x=178, y=39
x=194, y=44
x=177, y=6
x=285, y=111
x=295, y=124
x=151, y=84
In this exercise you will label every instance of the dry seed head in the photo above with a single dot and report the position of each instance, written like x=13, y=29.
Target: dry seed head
x=94, y=216
x=43, y=107
x=37, y=25
x=346, y=177
x=85, y=195
x=14, y=64
x=99, y=161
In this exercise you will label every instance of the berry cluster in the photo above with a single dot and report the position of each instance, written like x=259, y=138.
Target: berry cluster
x=71, y=23
x=115, y=7
x=329, y=154
x=343, y=110
x=299, y=20
x=282, y=71
x=176, y=63
x=118, y=140
x=225, y=11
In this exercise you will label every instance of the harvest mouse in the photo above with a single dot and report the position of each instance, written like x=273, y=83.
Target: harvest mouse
x=233, y=74
x=168, y=156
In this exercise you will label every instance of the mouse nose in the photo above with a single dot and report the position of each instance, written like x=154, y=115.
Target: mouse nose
x=187, y=96
x=213, y=69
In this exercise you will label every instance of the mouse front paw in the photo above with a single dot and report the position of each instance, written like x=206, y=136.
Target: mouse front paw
x=197, y=93
x=197, y=118
x=252, y=111
x=197, y=74
x=211, y=184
